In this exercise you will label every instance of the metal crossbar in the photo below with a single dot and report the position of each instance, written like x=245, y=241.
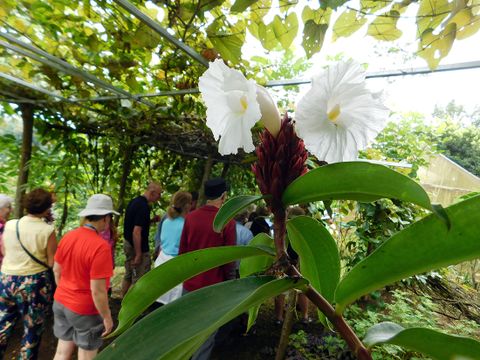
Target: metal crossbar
x=161, y=31
x=63, y=66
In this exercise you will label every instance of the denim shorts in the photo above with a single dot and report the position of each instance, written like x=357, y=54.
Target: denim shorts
x=84, y=330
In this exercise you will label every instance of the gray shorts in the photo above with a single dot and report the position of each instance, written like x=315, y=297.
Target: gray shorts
x=84, y=330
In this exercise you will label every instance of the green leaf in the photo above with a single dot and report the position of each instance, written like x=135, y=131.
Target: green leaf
x=176, y=330
x=318, y=254
x=286, y=32
x=166, y=276
x=241, y=5
x=313, y=36
x=426, y=245
x=434, y=48
x=254, y=265
x=355, y=180
x=431, y=14
x=429, y=342
x=266, y=35
x=372, y=6
x=231, y=208
x=227, y=40
x=385, y=27
x=320, y=16
x=347, y=23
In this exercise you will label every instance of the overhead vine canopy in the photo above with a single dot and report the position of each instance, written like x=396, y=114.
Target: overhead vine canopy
x=130, y=69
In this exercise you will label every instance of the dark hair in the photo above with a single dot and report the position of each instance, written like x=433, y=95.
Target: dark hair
x=194, y=195
x=37, y=201
x=94, y=218
x=259, y=225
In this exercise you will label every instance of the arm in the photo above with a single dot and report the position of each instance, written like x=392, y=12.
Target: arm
x=57, y=272
x=100, y=299
x=51, y=248
x=137, y=245
x=2, y=247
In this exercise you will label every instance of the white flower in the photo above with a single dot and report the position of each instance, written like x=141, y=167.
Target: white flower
x=232, y=107
x=339, y=116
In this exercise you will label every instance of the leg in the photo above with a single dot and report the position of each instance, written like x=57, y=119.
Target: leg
x=8, y=318
x=36, y=303
x=65, y=350
x=86, y=354
x=127, y=278
x=203, y=353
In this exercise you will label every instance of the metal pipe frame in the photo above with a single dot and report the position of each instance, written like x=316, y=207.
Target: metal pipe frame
x=161, y=31
x=63, y=66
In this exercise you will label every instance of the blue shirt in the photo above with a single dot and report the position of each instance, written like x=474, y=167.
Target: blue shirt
x=170, y=236
x=243, y=234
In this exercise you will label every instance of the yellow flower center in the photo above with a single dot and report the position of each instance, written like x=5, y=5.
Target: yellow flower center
x=334, y=113
x=243, y=102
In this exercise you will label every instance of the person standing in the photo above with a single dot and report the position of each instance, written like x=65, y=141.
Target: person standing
x=29, y=245
x=5, y=211
x=82, y=268
x=170, y=233
x=136, y=228
x=198, y=234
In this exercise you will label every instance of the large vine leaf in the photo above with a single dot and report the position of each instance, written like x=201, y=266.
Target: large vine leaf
x=356, y=180
x=228, y=41
x=173, y=272
x=313, y=37
x=431, y=14
x=429, y=342
x=385, y=27
x=318, y=254
x=285, y=32
x=426, y=245
x=467, y=23
x=348, y=23
x=320, y=16
x=266, y=35
x=193, y=317
x=241, y=5
x=232, y=207
x=434, y=48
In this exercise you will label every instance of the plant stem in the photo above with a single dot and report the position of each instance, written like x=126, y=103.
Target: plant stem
x=337, y=320
x=279, y=230
x=287, y=325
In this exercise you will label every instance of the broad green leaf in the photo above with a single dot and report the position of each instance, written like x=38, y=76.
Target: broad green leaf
x=372, y=6
x=385, y=27
x=425, y=245
x=467, y=23
x=179, y=328
x=347, y=23
x=318, y=254
x=356, y=180
x=231, y=208
x=429, y=342
x=285, y=32
x=227, y=40
x=254, y=265
x=431, y=14
x=320, y=16
x=267, y=37
x=433, y=47
x=333, y=4
x=313, y=36
x=257, y=264
x=241, y=5
x=166, y=276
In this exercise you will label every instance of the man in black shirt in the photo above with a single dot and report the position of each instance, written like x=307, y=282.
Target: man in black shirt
x=135, y=230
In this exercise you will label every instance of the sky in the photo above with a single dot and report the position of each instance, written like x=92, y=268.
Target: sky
x=415, y=93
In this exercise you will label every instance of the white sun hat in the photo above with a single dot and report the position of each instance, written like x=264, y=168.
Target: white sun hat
x=98, y=204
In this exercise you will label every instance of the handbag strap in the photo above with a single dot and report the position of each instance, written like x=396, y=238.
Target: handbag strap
x=28, y=252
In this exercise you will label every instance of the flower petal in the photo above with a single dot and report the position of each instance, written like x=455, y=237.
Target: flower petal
x=232, y=107
x=339, y=116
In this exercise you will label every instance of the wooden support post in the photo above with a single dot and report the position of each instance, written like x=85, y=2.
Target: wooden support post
x=26, y=154
x=127, y=166
x=207, y=170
